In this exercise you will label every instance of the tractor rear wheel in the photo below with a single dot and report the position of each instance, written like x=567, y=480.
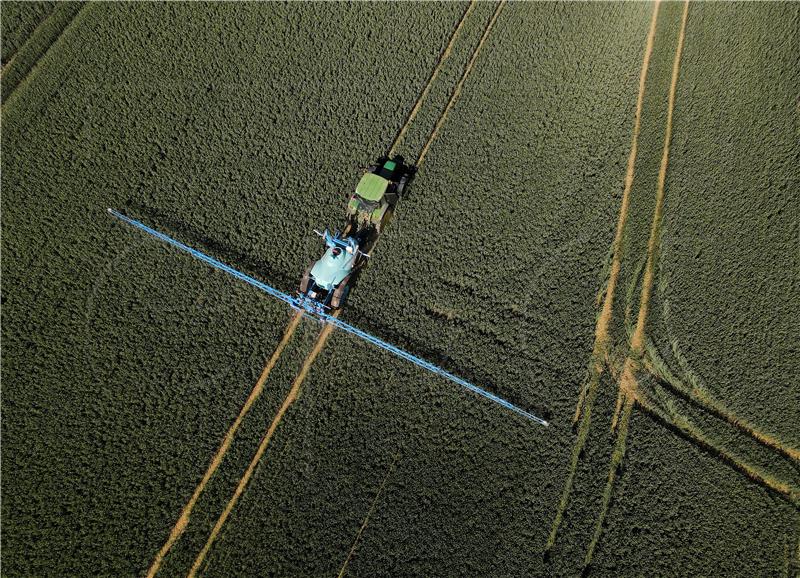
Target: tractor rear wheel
x=340, y=294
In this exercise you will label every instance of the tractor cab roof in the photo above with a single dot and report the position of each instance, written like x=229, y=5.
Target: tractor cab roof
x=372, y=187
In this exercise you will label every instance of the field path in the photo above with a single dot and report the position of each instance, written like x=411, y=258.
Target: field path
x=628, y=386
x=242, y=485
x=589, y=389
x=636, y=350
x=183, y=520
x=601, y=338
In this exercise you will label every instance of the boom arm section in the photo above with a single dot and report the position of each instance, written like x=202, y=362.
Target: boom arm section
x=298, y=304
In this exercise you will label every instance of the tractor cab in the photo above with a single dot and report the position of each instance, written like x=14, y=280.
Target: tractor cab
x=325, y=284
x=377, y=192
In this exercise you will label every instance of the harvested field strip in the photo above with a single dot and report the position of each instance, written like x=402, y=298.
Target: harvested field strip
x=702, y=399
x=242, y=485
x=445, y=55
x=21, y=66
x=369, y=514
x=616, y=460
x=460, y=85
x=603, y=321
x=589, y=392
x=690, y=432
x=183, y=520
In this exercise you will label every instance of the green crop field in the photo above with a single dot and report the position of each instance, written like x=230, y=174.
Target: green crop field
x=603, y=229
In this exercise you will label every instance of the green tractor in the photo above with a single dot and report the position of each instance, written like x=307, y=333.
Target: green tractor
x=377, y=193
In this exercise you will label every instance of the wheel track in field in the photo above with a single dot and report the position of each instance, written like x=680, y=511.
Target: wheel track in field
x=183, y=520
x=457, y=90
x=371, y=511
x=262, y=447
x=696, y=436
x=295, y=389
x=8, y=92
x=424, y=94
x=629, y=394
x=703, y=400
x=600, y=349
x=35, y=29
x=255, y=393
x=628, y=390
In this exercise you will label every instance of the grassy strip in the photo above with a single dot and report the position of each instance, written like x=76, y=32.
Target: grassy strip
x=694, y=434
x=616, y=460
x=262, y=447
x=700, y=397
x=183, y=520
x=36, y=46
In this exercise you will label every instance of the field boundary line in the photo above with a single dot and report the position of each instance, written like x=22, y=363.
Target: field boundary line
x=371, y=511
x=262, y=447
x=183, y=520
x=601, y=339
x=460, y=85
x=442, y=58
x=590, y=387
